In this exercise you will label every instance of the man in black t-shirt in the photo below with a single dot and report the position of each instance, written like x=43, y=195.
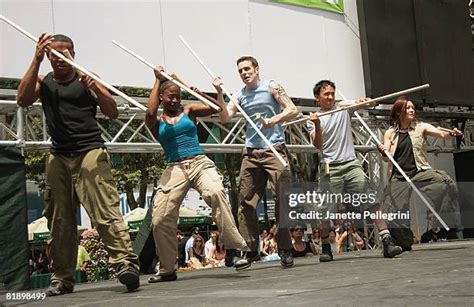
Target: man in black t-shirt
x=78, y=167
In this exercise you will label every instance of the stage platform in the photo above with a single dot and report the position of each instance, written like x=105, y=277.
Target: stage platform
x=431, y=274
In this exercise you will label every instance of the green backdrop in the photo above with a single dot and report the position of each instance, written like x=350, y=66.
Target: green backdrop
x=14, y=248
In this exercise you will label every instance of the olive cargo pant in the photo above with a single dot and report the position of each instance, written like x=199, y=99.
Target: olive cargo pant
x=83, y=178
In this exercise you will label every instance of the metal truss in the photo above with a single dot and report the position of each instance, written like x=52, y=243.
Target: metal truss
x=26, y=128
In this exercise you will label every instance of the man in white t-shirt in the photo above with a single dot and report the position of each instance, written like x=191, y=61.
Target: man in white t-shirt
x=210, y=243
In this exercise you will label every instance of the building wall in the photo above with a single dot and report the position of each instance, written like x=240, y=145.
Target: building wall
x=295, y=46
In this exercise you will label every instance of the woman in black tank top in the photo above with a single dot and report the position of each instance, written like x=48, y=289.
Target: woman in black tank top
x=406, y=140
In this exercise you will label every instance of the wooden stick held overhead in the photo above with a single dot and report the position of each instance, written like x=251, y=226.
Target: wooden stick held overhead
x=69, y=56
x=75, y=65
x=249, y=120
x=385, y=97
x=176, y=81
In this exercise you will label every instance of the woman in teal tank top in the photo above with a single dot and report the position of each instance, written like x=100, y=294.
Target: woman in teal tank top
x=187, y=168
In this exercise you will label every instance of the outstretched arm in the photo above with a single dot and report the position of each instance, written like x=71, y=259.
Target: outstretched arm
x=440, y=133
x=358, y=104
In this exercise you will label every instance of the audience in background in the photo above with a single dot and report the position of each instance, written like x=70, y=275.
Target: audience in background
x=197, y=256
x=217, y=253
x=300, y=247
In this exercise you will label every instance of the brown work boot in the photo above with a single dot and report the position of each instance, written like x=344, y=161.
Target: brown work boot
x=58, y=287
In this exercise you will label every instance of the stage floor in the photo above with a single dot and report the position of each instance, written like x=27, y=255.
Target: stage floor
x=431, y=274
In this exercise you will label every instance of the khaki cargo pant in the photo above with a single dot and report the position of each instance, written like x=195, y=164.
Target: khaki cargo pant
x=83, y=178
x=258, y=166
x=201, y=174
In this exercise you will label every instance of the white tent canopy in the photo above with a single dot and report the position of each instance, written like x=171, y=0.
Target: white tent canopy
x=40, y=227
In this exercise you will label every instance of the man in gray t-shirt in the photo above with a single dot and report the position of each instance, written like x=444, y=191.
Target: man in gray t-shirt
x=338, y=145
x=340, y=172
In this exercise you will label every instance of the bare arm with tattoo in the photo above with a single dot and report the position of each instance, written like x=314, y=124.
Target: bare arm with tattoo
x=289, y=109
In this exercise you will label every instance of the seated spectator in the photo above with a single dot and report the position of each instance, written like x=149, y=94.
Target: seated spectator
x=217, y=254
x=181, y=242
x=83, y=258
x=210, y=243
x=189, y=243
x=348, y=239
x=270, y=248
x=197, y=257
x=43, y=259
x=300, y=247
x=42, y=264
x=39, y=270
x=262, y=238
x=332, y=241
x=316, y=238
x=31, y=265
x=434, y=232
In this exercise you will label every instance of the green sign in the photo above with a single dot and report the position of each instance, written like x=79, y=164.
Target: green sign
x=135, y=224
x=42, y=236
x=193, y=220
x=328, y=5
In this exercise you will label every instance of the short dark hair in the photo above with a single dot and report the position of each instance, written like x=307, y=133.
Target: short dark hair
x=248, y=58
x=322, y=84
x=63, y=38
x=165, y=85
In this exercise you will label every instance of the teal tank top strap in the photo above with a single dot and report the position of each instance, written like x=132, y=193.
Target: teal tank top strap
x=179, y=141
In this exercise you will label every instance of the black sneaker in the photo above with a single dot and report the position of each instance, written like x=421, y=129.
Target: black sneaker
x=401, y=235
x=58, y=287
x=162, y=278
x=390, y=250
x=326, y=253
x=286, y=258
x=130, y=277
x=246, y=262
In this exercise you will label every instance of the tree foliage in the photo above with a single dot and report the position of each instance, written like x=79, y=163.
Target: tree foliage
x=137, y=171
x=35, y=162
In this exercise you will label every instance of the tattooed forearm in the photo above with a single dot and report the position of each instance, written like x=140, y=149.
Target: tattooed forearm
x=280, y=95
x=289, y=109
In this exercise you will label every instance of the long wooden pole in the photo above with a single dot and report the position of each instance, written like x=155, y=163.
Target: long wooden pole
x=400, y=170
x=76, y=66
x=175, y=81
x=396, y=94
x=69, y=56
